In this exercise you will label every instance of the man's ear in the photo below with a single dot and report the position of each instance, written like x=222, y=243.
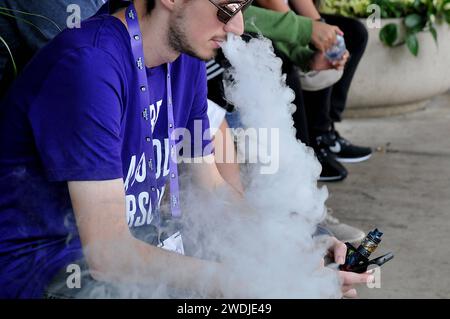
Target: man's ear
x=169, y=4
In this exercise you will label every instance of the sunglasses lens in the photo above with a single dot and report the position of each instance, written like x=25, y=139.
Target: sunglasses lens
x=223, y=16
x=232, y=7
x=229, y=9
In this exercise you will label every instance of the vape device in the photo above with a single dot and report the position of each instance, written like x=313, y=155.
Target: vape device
x=357, y=259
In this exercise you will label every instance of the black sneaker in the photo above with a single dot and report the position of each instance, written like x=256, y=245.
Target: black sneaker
x=346, y=152
x=332, y=170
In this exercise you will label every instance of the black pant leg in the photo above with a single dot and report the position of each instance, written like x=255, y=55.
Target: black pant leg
x=299, y=116
x=356, y=36
x=317, y=106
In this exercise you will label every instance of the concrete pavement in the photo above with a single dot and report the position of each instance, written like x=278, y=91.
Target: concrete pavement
x=404, y=190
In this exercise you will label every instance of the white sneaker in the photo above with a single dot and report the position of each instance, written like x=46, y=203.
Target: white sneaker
x=341, y=231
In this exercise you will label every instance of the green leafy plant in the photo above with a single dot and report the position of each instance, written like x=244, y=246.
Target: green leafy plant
x=417, y=15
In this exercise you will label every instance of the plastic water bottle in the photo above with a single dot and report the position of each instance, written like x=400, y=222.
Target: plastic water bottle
x=338, y=50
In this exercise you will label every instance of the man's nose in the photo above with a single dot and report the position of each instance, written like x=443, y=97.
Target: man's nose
x=236, y=24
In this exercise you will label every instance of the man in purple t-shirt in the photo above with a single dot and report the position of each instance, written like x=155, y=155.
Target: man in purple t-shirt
x=76, y=149
x=74, y=143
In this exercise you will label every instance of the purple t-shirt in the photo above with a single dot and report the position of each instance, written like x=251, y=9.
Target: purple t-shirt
x=74, y=115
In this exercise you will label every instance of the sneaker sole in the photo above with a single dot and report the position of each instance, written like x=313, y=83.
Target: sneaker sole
x=354, y=160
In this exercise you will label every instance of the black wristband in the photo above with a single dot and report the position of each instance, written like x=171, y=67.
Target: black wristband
x=321, y=20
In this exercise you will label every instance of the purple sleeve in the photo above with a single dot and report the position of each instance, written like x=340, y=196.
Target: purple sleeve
x=76, y=118
x=198, y=118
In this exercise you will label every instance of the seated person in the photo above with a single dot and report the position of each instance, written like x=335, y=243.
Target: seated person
x=324, y=107
x=81, y=173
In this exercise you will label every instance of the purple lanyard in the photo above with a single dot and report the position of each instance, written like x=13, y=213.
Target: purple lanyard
x=144, y=101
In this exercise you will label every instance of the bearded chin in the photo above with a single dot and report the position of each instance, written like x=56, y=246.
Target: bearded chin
x=178, y=41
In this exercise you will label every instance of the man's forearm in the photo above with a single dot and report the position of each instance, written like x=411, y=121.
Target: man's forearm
x=226, y=158
x=114, y=255
x=135, y=262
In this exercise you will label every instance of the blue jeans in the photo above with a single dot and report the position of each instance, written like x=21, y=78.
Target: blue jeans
x=25, y=39
x=234, y=119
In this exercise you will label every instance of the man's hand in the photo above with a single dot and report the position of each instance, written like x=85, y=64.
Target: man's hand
x=338, y=251
x=349, y=279
x=340, y=64
x=320, y=62
x=323, y=35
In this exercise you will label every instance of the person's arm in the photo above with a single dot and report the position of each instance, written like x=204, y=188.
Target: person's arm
x=276, y=5
x=206, y=175
x=203, y=168
x=305, y=8
x=320, y=62
x=113, y=254
x=226, y=158
x=286, y=27
x=323, y=35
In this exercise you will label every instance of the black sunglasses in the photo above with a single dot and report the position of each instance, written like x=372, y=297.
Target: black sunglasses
x=227, y=9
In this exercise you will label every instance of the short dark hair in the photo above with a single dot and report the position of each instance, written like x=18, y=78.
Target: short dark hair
x=150, y=5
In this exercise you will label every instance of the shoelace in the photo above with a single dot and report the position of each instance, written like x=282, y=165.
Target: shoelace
x=323, y=152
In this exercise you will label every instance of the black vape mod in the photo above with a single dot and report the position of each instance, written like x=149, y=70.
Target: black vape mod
x=357, y=259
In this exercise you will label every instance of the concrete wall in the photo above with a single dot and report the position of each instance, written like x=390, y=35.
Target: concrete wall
x=391, y=80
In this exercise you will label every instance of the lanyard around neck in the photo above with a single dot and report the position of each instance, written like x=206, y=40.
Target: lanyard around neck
x=144, y=102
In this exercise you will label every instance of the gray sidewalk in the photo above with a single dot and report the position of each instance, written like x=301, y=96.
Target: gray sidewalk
x=404, y=190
